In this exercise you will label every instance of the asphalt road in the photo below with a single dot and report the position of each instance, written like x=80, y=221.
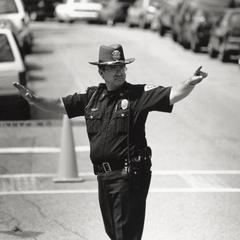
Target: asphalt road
x=195, y=190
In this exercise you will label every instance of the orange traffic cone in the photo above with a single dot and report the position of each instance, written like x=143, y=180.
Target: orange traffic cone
x=67, y=169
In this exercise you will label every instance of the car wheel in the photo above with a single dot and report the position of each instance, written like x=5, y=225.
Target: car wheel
x=129, y=24
x=161, y=30
x=212, y=52
x=174, y=36
x=223, y=53
x=142, y=23
x=185, y=43
x=27, y=47
x=195, y=47
x=110, y=22
x=70, y=21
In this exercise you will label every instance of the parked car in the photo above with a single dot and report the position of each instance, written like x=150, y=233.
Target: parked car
x=12, y=69
x=164, y=14
x=193, y=24
x=225, y=36
x=6, y=23
x=39, y=10
x=73, y=10
x=14, y=11
x=114, y=11
x=141, y=13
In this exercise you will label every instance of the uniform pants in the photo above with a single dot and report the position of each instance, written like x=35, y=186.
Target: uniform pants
x=122, y=199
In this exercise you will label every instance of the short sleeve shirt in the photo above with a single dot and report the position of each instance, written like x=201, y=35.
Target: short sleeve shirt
x=116, y=120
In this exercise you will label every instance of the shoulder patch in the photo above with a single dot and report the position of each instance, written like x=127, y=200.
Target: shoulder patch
x=149, y=87
x=82, y=91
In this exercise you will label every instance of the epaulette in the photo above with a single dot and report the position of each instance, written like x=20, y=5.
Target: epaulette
x=94, y=89
x=90, y=91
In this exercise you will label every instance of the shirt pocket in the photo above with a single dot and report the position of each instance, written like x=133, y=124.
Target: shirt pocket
x=121, y=121
x=93, y=122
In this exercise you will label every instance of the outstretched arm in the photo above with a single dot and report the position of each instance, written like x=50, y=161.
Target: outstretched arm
x=47, y=104
x=183, y=90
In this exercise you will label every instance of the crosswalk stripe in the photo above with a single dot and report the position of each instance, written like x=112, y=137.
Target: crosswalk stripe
x=154, y=190
x=14, y=150
x=154, y=173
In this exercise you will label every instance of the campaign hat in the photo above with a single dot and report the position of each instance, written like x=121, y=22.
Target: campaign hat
x=112, y=55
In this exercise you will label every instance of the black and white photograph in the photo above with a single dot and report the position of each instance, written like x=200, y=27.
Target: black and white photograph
x=119, y=119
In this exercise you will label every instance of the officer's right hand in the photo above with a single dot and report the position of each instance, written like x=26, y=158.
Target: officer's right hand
x=25, y=92
x=197, y=77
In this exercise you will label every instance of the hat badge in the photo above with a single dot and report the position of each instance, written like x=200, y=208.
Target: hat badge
x=116, y=55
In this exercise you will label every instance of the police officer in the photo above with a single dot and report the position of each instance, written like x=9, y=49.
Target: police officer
x=115, y=114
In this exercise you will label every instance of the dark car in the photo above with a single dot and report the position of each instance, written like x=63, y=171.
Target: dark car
x=39, y=10
x=225, y=36
x=193, y=24
x=114, y=11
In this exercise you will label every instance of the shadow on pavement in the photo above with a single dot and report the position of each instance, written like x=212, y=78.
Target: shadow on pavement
x=33, y=67
x=22, y=234
x=35, y=78
x=41, y=50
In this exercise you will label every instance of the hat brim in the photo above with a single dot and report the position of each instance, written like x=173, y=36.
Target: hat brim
x=117, y=62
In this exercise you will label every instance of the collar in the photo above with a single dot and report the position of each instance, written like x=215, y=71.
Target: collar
x=120, y=92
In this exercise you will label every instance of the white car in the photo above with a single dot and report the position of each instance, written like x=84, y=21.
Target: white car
x=12, y=69
x=13, y=10
x=73, y=10
x=12, y=66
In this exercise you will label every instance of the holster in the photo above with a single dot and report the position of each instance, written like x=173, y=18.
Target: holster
x=141, y=162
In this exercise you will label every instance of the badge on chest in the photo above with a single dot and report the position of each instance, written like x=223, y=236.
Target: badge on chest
x=122, y=105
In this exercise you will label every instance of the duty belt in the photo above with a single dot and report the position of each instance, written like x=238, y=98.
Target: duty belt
x=106, y=167
x=136, y=164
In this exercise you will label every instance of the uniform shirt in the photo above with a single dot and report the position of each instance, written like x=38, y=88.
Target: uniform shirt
x=110, y=115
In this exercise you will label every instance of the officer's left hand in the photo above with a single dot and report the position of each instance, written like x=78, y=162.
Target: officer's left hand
x=197, y=77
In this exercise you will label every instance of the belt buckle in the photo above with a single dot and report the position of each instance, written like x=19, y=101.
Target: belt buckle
x=106, y=167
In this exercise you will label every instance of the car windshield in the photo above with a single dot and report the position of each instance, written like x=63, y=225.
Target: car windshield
x=8, y=6
x=6, y=54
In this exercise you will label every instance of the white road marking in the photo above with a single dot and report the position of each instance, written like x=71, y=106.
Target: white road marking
x=181, y=173
x=154, y=190
x=203, y=181
x=15, y=150
x=196, y=172
x=198, y=181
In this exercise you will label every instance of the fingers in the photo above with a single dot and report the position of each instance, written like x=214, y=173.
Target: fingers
x=25, y=92
x=20, y=87
x=204, y=75
x=198, y=71
x=197, y=77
